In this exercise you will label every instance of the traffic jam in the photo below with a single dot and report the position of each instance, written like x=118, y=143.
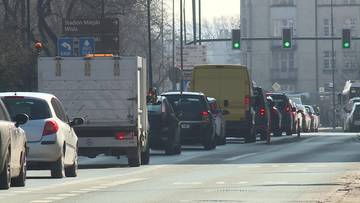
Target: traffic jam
x=69, y=117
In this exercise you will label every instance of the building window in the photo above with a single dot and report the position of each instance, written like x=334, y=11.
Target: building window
x=350, y=23
x=283, y=61
x=279, y=24
x=349, y=60
x=327, y=60
x=326, y=27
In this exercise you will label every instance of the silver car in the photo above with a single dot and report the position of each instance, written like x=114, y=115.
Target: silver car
x=52, y=142
x=12, y=149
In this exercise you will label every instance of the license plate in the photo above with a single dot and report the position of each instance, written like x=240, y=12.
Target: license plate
x=357, y=122
x=185, y=126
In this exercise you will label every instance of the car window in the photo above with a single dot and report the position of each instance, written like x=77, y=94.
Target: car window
x=280, y=101
x=154, y=107
x=59, y=110
x=2, y=114
x=36, y=109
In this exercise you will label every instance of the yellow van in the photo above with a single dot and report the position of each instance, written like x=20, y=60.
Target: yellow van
x=232, y=87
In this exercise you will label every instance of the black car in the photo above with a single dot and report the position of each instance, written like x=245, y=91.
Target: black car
x=282, y=103
x=262, y=110
x=164, y=127
x=196, y=120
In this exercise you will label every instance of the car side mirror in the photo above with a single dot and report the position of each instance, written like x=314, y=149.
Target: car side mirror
x=21, y=119
x=225, y=112
x=226, y=103
x=77, y=121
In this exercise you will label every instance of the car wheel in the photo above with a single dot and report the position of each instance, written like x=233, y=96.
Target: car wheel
x=21, y=179
x=71, y=171
x=134, y=157
x=209, y=141
x=58, y=168
x=251, y=136
x=5, y=178
x=145, y=156
x=172, y=145
x=263, y=135
x=289, y=132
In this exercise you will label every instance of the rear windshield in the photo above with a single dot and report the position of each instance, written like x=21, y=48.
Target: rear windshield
x=36, y=109
x=187, y=103
x=280, y=101
x=154, y=107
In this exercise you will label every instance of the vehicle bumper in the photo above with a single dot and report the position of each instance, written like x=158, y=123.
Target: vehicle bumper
x=44, y=151
x=191, y=132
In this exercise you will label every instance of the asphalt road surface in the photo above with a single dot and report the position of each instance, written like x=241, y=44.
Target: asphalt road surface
x=291, y=169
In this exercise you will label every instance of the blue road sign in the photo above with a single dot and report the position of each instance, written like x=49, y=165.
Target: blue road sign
x=65, y=46
x=86, y=46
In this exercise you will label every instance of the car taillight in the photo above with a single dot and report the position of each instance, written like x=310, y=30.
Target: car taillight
x=205, y=116
x=287, y=108
x=247, y=100
x=262, y=112
x=120, y=135
x=51, y=127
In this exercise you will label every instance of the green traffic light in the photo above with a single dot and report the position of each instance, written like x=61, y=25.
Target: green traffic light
x=346, y=45
x=287, y=44
x=236, y=45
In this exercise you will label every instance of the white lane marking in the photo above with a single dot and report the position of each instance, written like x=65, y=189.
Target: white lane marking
x=250, y=166
x=187, y=183
x=80, y=192
x=291, y=165
x=275, y=165
x=67, y=195
x=90, y=189
x=33, y=189
x=123, y=182
x=275, y=183
x=220, y=183
x=99, y=187
x=239, y=157
x=7, y=195
x=21, y=191
x=54, y=198
x=242, y=182
x=41, y=201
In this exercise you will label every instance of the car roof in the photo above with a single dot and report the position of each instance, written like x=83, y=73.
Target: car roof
x=184, y=93
x=39, y=95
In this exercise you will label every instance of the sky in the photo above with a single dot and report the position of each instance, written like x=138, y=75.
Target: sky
x=211, y=8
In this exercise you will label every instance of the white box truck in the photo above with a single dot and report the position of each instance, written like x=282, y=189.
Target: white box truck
x=109, y=92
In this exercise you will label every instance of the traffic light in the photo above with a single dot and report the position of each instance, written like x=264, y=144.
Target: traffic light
x=286, y=38
x=236, y=38
x=346, y=38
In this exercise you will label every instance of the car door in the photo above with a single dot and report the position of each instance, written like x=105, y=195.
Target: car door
x=10, y=129
x=64, y=130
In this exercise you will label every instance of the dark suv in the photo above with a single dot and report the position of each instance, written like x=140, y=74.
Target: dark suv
x=196, y=120
x=262, y=116
x=282, y=103
x=164, y=127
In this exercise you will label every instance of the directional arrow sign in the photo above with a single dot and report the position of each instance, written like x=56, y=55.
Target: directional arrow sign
x=86, y=46
x=65, y=46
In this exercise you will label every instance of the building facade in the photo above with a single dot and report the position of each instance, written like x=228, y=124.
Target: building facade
x=307, y=66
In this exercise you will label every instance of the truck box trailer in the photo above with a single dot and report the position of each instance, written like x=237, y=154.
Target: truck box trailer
x=110, y=94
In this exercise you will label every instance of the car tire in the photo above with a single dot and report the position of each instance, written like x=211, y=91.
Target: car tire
x=134, y=157
x=251, y=136
x=20, y=181
x=145, y=156
x=289, y=132
x=58, y=168
x=263, y=135
x=210, y=141
x=173, y=145
x=71, y=171
x=5, y=178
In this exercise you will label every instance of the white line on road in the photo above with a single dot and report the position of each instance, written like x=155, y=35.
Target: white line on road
x=239, y=157
x=80, y=192
x=187, y=183
x=275, y=183
x=41, y=201
x=67, y=195
x=242, y=183
x=220, y=183
x=90, y=189
x=54, y=198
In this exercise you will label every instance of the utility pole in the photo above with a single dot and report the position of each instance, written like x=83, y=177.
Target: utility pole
x=162, y=43
x=181, y=49
x=200, y=22
x=184, y=8
x=316, y=53
x=149, y=41
x=28, y=22
x=333, y=64
x=194, y=20
x=173, y=44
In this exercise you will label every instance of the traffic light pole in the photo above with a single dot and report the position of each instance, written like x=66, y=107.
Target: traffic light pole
x=333, y=65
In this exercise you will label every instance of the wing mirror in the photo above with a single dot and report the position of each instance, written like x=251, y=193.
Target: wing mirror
x=21, y=119
x=77, y=121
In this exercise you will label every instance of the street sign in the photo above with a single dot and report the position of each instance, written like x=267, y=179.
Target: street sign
x=276, y=87
x=65, y=46
x=90, y=27
x=86, y=46
x=192, y=55
x=106, y=43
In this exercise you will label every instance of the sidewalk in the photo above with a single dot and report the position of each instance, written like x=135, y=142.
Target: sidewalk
x=349, y=192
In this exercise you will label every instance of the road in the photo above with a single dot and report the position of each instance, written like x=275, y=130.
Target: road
x=291, y=169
